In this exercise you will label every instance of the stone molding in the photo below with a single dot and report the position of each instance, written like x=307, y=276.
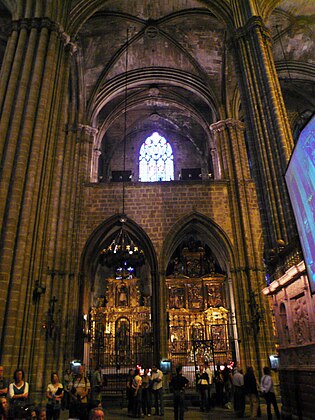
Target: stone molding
x=83, y=128
x=228, y=123
x=254, y=23
x=290, y=275
x=41, y=23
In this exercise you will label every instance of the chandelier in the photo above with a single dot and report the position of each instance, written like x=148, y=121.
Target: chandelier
x=122, y=253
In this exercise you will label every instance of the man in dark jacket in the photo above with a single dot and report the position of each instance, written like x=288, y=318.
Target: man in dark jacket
x=177, y=386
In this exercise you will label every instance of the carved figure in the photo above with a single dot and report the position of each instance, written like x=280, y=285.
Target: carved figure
x=177, y=297
x=122, y=295
x=195, y=297
x=122, y=334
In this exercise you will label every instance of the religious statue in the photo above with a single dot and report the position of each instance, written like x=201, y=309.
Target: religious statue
x=195, y=297
x=122, y=295
x=122, y=334
x=177, y=297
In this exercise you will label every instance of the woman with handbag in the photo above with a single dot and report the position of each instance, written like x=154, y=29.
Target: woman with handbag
x=54, y=395
x=18, y=393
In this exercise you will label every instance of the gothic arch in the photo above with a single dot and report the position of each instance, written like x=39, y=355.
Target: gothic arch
x=83, y=10
x=106, y=231
x=103, y=233
x=145, y=77
x=214, y=236
x=139, y=99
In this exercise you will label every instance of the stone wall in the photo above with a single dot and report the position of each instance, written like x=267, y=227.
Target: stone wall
x=156, y=207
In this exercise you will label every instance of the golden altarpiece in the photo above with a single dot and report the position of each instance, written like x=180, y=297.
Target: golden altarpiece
x=120, y=325
x=197, y=304
x=197, y=314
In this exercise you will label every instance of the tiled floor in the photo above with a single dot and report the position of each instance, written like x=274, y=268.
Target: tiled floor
x=191, y=414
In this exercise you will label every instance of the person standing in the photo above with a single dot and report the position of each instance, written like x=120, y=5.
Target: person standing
x=146, y=393
x=18, y=393
x=54, y=395
x=203, y=385
x=67, y=378
x=250, y=385
x=3, y=384
x=80, y=389
x=239, y=392
x=226, y=376
x=267, y=389
x=178, y=385
x=97, y=387
x=209, y=373
x=218, y=380
x=129, y=392
x=157, y=390
x=137, y=391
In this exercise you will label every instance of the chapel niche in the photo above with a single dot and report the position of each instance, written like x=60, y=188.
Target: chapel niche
x=197, y=306
x=120, y=320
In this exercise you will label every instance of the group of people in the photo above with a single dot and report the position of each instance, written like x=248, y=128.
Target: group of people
x=246, y=385
x=82, y=400
x=82, y=395
x=226, y=384
x=234, y=384
x=144, y=391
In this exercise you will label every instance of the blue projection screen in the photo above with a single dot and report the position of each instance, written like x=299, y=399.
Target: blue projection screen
x=300, y=180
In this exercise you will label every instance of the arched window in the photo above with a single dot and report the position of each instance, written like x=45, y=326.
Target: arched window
x=156, y=161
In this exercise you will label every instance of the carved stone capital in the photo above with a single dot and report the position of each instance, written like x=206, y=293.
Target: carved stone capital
x=97, y=152
x=87, y=129
x=254, y=23
x=228, y=123
x=39, y=24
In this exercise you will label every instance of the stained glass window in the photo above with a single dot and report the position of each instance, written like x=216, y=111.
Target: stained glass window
x=156, y=161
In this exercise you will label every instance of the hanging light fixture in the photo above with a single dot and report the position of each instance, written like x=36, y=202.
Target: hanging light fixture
x=123, y=254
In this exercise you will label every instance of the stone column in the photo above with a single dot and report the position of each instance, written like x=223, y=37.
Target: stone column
x=87, y=139
x=96, y=155
x=34, y=85
x=248, y=276
x=268, y=131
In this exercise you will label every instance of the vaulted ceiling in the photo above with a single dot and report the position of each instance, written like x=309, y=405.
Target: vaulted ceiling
x=180, y=72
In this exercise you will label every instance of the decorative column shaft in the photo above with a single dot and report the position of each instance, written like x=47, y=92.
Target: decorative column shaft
x=269, y=138
x=34, y=83
x=249, y=275
x=96, y=155
x=87, y=139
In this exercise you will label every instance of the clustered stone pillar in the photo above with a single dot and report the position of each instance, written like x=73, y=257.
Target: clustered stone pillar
x=268, y=131
x=249, y=272
x=37, y=178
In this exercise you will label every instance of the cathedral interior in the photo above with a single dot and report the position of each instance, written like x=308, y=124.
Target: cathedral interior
x=144, y=210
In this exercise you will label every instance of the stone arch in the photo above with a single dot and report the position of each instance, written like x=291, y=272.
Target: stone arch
x=83, y=10
x=215, y=237
x=209, y=233
x=103, y=234
x=106, y=231
x=145, y=77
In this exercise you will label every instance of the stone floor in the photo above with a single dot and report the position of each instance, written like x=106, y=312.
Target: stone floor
x=192, y=414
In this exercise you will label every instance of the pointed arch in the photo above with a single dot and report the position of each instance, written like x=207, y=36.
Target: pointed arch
x=104, y=233
x=209, y=231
